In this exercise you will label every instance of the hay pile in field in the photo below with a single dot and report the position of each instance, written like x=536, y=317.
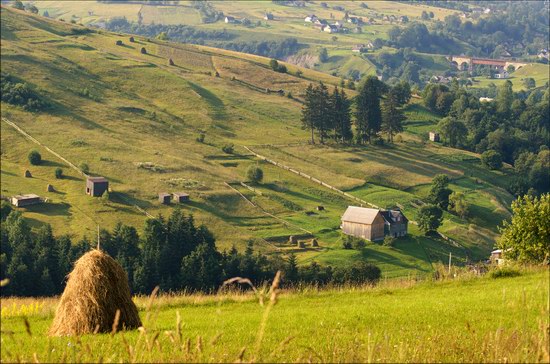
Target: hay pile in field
x=97, y=287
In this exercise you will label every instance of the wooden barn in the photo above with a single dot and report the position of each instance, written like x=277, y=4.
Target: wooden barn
x=363, y=223
x=25, y=200
x=434, y=137
x=96, y=186
x=164, y=198
x=181, y=197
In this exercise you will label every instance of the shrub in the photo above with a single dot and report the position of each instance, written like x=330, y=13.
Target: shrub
x=5, y=209
x=352, y=242
x=118, y=43
x=19, y=93
x=504, y=272
x=389, y=241
x=254, y=174
x=58, y=173
x=35, y=158
x=228, y=148
x=84, y=168
x=491, y=159
x=143, y=50
x=274, y=64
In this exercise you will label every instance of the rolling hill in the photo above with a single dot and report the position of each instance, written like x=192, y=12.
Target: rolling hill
x=135, y=119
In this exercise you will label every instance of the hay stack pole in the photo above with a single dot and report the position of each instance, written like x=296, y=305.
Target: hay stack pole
x=96, y=289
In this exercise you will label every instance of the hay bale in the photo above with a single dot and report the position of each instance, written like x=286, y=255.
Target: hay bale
x=292, y=239
x=143, y=50
x=132, y=39
x=96, y=288
x=50, y=188
x=170, y=62
x=314, y=243
x=28, y=174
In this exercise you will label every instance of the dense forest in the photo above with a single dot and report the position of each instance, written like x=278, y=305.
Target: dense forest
x=172, y=253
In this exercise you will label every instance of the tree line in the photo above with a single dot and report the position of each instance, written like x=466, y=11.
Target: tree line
x=173, y=253
x=378, y=110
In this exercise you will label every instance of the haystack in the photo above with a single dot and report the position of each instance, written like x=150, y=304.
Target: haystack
x=96, y=288
x=28, y=174
x=49, y=188
x=314, y=243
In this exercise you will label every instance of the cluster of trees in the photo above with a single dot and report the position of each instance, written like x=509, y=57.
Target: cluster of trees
x=525, y=238
x=180, y=33
x=417, y=36
x=522, y=26
x=216, y=38
x=173, y=253
x=378, y=110
x=513, y=128
x=441, y=198
x=270, y=49
x=17, y=92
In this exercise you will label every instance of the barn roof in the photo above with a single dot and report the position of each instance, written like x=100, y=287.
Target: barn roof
x=361, y=215
x=25, y=197
x=97, y=179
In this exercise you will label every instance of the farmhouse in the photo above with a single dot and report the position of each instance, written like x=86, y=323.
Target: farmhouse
x=331, y=28
x=396, y=223
x=496, y=256
x=358, y=48
x=502, y=74
x=96, y=186
x=543, y=54
x=25, y=200
x=181, y=197
x=434, y=137
x=310, y=18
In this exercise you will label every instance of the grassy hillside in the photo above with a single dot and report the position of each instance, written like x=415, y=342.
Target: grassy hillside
x=469, y=320
x=538, y=71
x=135, y=120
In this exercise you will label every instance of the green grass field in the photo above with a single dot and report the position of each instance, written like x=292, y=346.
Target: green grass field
x=466, y=320
x=139, y=124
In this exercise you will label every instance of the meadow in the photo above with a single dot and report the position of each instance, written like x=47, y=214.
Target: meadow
x=466, y=319
x=135, y=119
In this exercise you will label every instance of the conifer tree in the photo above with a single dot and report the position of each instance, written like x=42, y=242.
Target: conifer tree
x=368, y=117
x=392, y=115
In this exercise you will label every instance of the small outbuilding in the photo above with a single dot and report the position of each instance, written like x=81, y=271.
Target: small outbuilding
x=164, y=198
x=25, y=200
x=96, y=186
x=181, y=197
x=434, y=137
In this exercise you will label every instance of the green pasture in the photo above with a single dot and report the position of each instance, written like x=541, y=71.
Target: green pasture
x=470, y=320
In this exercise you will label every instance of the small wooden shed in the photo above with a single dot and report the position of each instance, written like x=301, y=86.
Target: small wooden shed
x=434, y=137
x=96, y=186
x=25, y=200
x=164, y=198
x=181, y=197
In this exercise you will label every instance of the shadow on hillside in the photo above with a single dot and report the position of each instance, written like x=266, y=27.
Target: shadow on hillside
x=50, y=209
x=50, y=163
